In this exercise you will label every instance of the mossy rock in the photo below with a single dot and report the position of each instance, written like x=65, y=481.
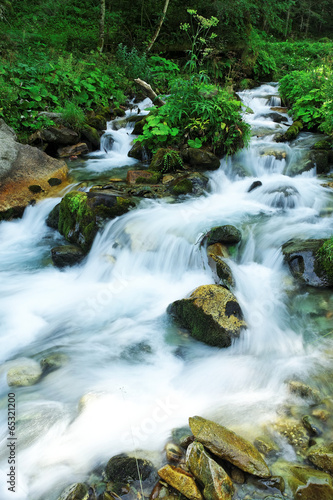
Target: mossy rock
x=212, y=315
x=53, y=217
x=77, y=491
x=137, y=151
x=119, y=112
x=227, y=234
x=166, y=160
x=322, y=457
x=77, y=221
x=12, y=213
x=138, y=127
x=98, y=122
x=92, y=135
x=320, y=159
x=182, y=187
x=200, y=159
x=66, y=255
x=35, y=188
x=154, y=179
x=123, y=469
x=310, y=261
x=80, y=214
x=324, y=144
x=291, y=133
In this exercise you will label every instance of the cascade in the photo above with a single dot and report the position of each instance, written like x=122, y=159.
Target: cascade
x=129, y=375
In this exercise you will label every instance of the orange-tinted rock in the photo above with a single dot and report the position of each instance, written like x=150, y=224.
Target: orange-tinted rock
x=133, y=175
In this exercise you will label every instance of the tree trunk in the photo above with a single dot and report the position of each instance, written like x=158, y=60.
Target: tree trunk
x=159, y=25
x=150, y=93
x=101, y=27
x=287, y=23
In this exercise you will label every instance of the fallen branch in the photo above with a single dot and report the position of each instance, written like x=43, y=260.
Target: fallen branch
x=150, y=93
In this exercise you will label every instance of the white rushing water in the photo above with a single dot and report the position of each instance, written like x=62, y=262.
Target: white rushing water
x=129, y=375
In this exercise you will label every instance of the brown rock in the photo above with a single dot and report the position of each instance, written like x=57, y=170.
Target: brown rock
x=217, y=483
x=133, y=175
x=22, y=166
x=229, y=446
x=181, y=481
x=78, y=149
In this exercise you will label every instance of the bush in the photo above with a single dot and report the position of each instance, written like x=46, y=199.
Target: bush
x=199, y=112
x=73, y=116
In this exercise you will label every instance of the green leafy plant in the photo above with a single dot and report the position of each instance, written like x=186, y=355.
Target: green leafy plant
x=73, y=116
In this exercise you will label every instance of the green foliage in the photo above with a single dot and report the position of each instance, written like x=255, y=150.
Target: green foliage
x=73, y=116
x=166, y=160
x=27, y=88
x=310, y=94
x=206, y=113
x=325, y=257
x=134, y=64
x=163, y=72
x=198, y=33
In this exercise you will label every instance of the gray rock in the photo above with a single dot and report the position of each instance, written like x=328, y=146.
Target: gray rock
x=77, y=491
x=66, y=255
x=27, y=372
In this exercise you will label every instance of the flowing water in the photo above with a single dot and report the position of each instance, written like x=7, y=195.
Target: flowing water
x=129, y=375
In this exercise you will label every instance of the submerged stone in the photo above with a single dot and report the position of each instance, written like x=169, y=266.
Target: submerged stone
x=27, y=372
x=229, y=446
x=212, y=314
x=122, y=468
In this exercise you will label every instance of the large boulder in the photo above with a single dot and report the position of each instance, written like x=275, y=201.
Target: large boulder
x=57, y=135
x=217, y=483
x=21, y=167
x=200, y=159
x=212, y=314
x=227, y=234
x=310, y=261
x=229, y=446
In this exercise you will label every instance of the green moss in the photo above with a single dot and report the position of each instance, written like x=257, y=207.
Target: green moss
x=121, y=206
x=323, y=145
x=293, y=130
x=119, y=112
x=183, y=187
x=154, y=179
x=325, y=258
x=77, y=221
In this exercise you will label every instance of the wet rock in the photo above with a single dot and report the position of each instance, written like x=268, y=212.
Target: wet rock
x=58, y=135
x=182, y=187
x=216, y=482
x=279, y=109
x=162, y=491
x=310, y=426
x=200, y=159
x=181, y=481
x=310, y=484
x=277, y=117
x=53, y=217
x=221, y=271
x=291, y=133
x=122, y=468
x=92, y=135
x=254, y=185
x=22, y=166
x=134, y=176
x=323, y=145
x=25, y=373
x=266, y=446
x=66, y=255
x=53, y=362
x=138, y=152
x=322, y=457
x=306, y=260
x=229, y=446
x=80, y=213
x=77, y=491
x=212, y=314
x=78, y=149
x=173, y=452
x=98, y=122
x=294, y=432
x=304, y=391
x=138, y=127
x=227, y=234
x=237, y=475
x=182, y=435
x=321, y=161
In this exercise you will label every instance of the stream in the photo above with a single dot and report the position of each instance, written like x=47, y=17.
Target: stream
x=129, y=374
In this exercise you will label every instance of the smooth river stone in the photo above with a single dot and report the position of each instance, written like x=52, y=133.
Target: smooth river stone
x=181, y=481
